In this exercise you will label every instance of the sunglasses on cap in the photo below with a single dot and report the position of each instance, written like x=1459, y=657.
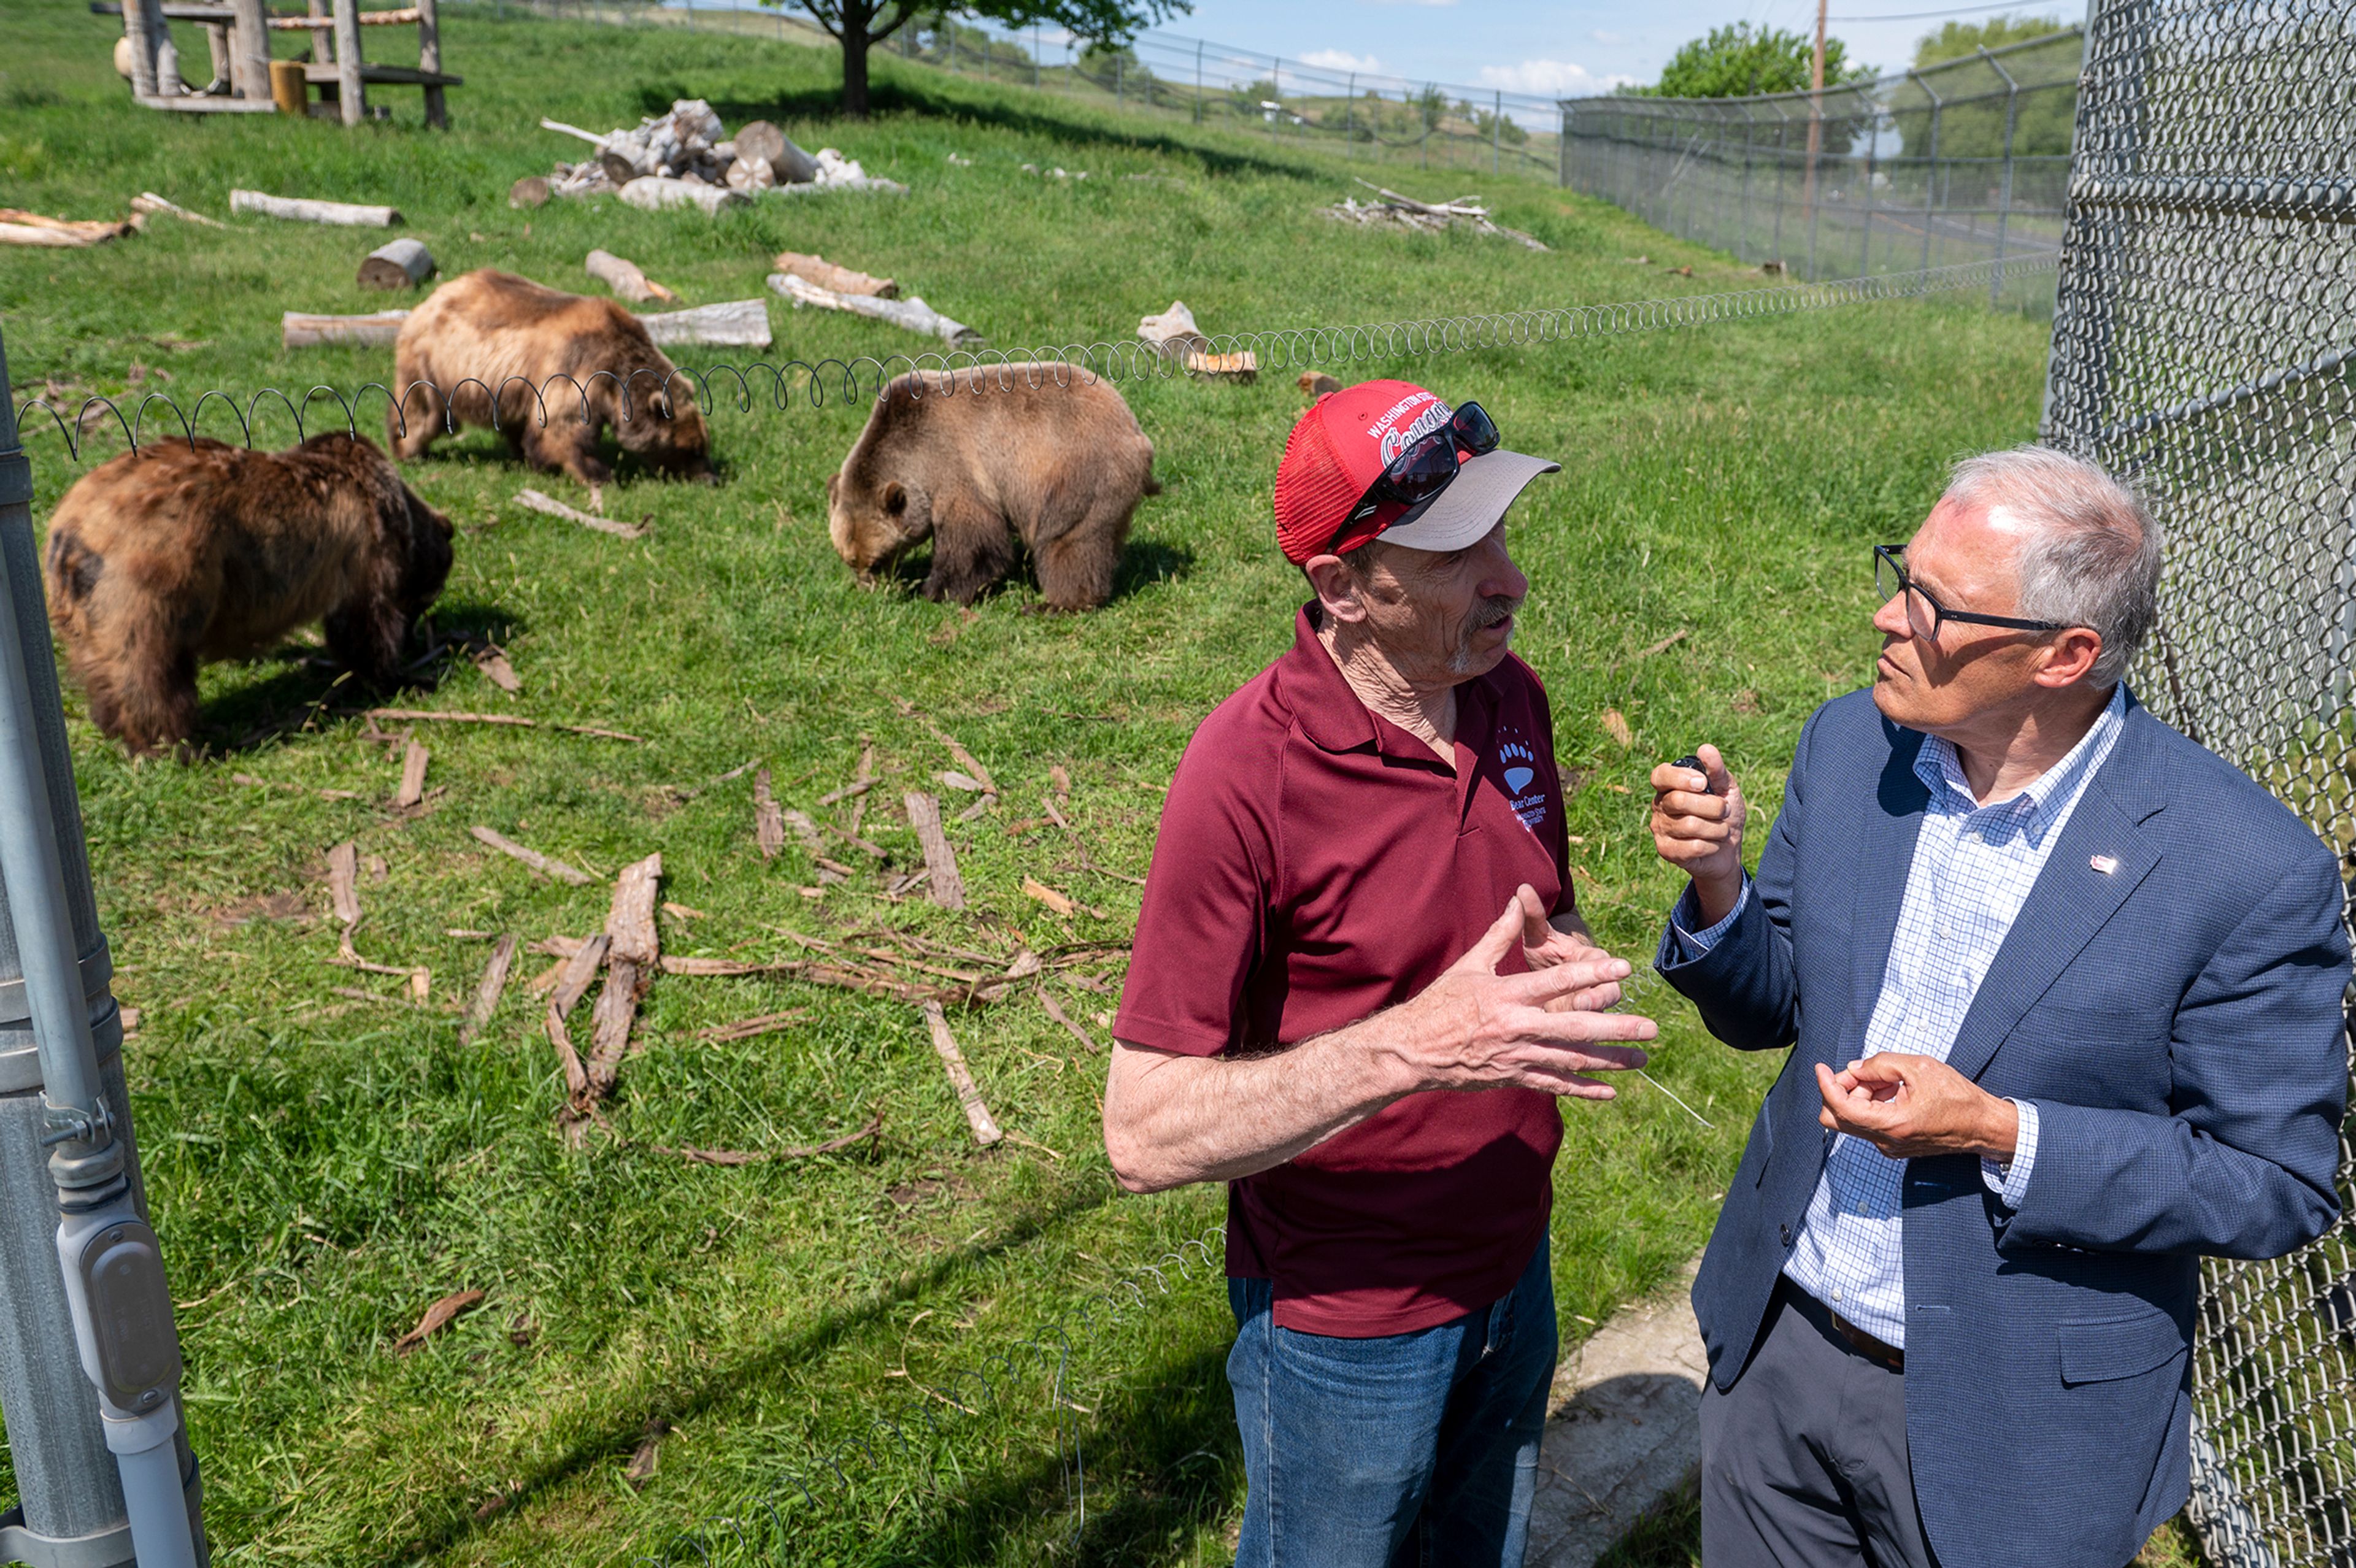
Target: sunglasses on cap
x=1425, y=465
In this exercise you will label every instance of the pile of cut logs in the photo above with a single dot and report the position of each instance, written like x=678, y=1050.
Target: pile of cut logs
x=1405, y=212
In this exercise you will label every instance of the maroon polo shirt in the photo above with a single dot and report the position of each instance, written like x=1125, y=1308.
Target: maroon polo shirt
x=1316, y=864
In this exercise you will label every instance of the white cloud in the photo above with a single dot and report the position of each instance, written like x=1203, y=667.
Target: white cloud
x=1601, y=36
x=1551, y=79
x=1341, y=59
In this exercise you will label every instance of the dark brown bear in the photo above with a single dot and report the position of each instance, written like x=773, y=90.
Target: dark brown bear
x=976, y=459
x=540, y=354
x=168, y=556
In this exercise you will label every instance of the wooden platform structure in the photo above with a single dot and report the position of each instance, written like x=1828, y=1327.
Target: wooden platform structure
x=239, y=32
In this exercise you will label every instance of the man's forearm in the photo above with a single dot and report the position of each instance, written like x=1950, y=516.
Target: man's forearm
x=1172, y=1119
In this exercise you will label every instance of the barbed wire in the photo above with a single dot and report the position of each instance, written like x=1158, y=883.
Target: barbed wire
x=928, y=1416
x=859, y=381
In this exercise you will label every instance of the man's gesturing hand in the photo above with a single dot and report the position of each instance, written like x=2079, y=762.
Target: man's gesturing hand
x=1699, y=830
x=1907, y=1106
x=1475, y=1029
x=1546, y=945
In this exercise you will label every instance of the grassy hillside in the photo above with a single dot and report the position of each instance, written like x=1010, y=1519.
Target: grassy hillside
x=323, y=1166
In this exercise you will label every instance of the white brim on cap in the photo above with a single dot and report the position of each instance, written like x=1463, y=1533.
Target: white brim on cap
x=1465, y=512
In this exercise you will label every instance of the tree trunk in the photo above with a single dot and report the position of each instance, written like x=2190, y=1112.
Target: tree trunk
x=854, y=62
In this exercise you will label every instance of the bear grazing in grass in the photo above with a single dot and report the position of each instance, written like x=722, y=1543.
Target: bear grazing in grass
x=975, y=460
x=490, y=337
x=173, y=554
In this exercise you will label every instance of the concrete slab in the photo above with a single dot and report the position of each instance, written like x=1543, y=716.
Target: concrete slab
x=1625, y=1429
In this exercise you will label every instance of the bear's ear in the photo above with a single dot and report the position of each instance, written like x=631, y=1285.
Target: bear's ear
x=895, y=497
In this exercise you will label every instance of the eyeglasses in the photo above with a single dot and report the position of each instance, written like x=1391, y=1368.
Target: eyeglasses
x=1425, y=465
x=1925, y=613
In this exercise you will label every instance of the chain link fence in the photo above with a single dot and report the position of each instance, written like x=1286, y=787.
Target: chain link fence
x=1964, y=161
x=2203, y=337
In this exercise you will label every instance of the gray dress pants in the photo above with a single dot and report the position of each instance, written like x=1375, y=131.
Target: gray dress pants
x=1803, y=1460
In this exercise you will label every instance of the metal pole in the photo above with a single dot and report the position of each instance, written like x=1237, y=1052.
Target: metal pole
x=1349, y=119
x=1198, y=82
x=1931, y=174
x=88, y=1288
x=2004, y=200
x=1275, y=91
x=1497, y=134
x=1815, y=136
x=1872, y=145
x=1034, y=54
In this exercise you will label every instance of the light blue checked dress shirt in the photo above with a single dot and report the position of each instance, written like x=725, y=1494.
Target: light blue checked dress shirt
x=1974, y=866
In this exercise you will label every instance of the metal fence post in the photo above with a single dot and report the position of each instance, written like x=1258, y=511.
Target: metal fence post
x=1497, y=134
x=1198, y=82
x=1349, y=119
x=2004, y=202
x=66, y=1139
x=1931, y=171
x=1872, y=146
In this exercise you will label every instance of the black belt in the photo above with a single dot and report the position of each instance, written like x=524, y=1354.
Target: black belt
x=1834, y=1325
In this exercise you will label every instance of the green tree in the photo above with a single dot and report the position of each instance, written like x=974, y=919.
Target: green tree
x=860, y=24
x=1741, y=61
x=1973, y=98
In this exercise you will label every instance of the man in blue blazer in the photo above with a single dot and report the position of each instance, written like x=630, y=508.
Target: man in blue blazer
x=2065, y=991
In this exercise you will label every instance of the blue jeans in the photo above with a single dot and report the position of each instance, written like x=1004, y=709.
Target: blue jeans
x=1410, y=1451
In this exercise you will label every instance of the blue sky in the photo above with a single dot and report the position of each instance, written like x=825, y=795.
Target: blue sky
x=1544, y=46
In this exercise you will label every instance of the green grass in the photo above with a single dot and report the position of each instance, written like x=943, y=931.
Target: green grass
x=322, y=1168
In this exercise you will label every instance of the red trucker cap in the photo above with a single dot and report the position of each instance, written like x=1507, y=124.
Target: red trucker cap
x=1340, y=448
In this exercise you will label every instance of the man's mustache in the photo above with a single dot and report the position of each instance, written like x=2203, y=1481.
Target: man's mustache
x=1489, y=612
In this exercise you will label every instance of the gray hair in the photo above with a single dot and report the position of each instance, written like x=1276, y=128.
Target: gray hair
x=2092, y=558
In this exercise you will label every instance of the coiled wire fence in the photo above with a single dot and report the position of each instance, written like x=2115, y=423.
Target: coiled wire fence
x=812, y=384
x=2203, y=336
x=1965, y=160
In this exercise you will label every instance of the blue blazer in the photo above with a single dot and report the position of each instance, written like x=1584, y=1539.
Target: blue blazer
x=2178, y=1024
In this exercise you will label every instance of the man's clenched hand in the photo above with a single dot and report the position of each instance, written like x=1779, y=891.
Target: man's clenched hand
x=1697, y=827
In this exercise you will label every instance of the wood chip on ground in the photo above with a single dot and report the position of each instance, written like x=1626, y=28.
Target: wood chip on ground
x=488, y=990
x=414, y=761
x=977, y=1115
x=641, y=1467
x=1046, y=895
x=571, y=982
x=538, y=502
x=343, y=882
x=940, y=860
x=768, y=823
x=532, y=857
x=494, y=665
x=1615, y=725
x=1055, y=1011
x=437, y=1318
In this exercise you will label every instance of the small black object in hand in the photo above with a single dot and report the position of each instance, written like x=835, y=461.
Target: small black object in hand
x=1694, y=763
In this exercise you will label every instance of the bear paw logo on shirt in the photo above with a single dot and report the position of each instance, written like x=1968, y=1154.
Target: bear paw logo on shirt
x=1520, y=767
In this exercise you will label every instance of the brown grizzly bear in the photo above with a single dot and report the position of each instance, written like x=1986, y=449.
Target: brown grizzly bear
x=490, y=335
x=172, y=555
x=974, y=459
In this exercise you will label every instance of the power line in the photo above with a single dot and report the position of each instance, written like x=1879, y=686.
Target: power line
x=1932, y=15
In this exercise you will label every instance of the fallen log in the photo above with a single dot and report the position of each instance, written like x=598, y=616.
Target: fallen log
x=401, y=263
x=760, y=139
x=532, y=857
x=633, y=951
x=977, y=1115
x=625, y=278
x=911, y=314
x=660, y=193
x=1172, y=334
x=301, y=210
x=827, y=275
x=940, y=860
x=378, y=329
x=147, y=201
x=538, y=502
x=733, y=324
x=1242, y=367
x=488, y=992
x=18, y=227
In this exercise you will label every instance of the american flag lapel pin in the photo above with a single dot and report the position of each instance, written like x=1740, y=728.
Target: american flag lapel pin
x=2106, y=864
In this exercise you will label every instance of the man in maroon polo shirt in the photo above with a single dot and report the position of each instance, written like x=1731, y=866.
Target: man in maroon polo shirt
x=1359, y=989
